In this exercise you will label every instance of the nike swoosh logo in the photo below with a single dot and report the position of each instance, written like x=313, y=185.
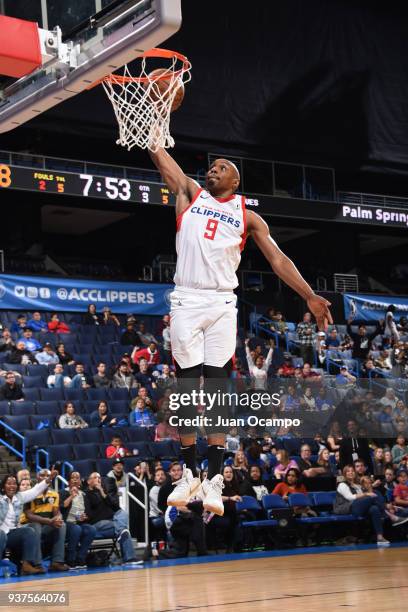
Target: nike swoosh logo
x=204, y=197
x=230, y=302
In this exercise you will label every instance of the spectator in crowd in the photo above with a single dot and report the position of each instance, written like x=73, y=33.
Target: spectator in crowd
x=309, y=374
x=284, y=464
x=402, y=326
x=307, y=400
x=389, y=398
x=287, y=369
x=388, y=459
x=30, y=343
x=36, y=324
x=21, y=355
x=390, y=327
x=334, y=437
x=141, y=416
x=399, y=358
x=23, y=543
x=129, y=336
x=323, y=401
x=400, y=410
x=354, y=447
x=71, y=420
x=47, y=356
x=350, y=498
x=164, y=323
x=117, y=473
x=143, y=377
x=101, y=417
x=56, y=326
x=58, y=380
x=104, y=513
x=80, y=534
x=150, y=354
x=362, y=340
x=290, y=400
x=388, y=485
x=23, y=474
x=101, y=380
x=232, y=441
x=175, y=474
x=305, y=331
x=228, y=522
x=399, y=450
x=253, y=485
x=6, y=341
x=401, y=490
x=63, y=355
x=370, y=371
x=165, y=431
x=240, y=465
x=145, y=337
x=333, y=340
x=124, y=379
x=378, y=462
x=321, y=349
x=18, y=326
x=11, y=390
x=383, y=361
x=344, y=379
x=3, y=374
x=167, y=358
x=323, y=462
x=109, y=318
x=44, y=516
x=291, y=484
x=80, y=380
x=91, y=317
x=167, y=378
x=156, y=515
x=116, y=449
x=258, y=368
x=307, y=467
x=142, y=471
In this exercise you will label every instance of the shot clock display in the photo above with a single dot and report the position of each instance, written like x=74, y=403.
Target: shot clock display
x=84, y=185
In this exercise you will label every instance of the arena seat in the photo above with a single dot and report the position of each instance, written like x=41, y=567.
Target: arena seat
x=109, y=432
x=38, y=370
x=59, y=452
x=90, y=450
x=36, y=438
x=37, y=419
x=4, y=408
x=63, y=436
x=84, y=467
x=119, y=406
x=31, y=394
x=91, y=434
x=15, y=367
x=163, y=449
x=138, y=434
x=22, y=408
x=118, y=394
x=103, y=466
x=33, y=382
x=51, y=394
x=19, y=423
x=74, y=394
x=97, y=394
x=272, y=501
x=47, y=407
x=143, y=449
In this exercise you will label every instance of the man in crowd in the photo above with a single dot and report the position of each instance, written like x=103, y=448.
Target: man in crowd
x=345, y=379
x=167, y=378
x=36, y=324
x=58, y=380
x=30, y=343
x=101, y=380
x=17, y=327
x=145, y=337
x=308, y=468
x=175, y=473
x=118, y=473
x=11, y=391
x=353, y=447
x=44, y=516
x=150, y=354
x=156, y=516
x=130, y=335
x=6, y=341
x=306, y=331
x=104, y=513
x=143, y=377
x=80, y=534
x=80, y=380
x=20, y=354
x=310, y=375
x=124, y=379
x=362, y=340
x=47, y=356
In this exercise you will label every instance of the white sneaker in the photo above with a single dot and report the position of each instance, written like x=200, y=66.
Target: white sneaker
x=383, y=543
x=184, y=488
x=213, y=491
x=202, y=490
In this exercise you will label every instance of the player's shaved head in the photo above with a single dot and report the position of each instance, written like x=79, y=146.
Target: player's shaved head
x=221, y=160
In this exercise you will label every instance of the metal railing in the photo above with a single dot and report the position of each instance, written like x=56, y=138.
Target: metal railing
x=20, y=454
x=142, y=504
x=370, y=199
x=346, y=282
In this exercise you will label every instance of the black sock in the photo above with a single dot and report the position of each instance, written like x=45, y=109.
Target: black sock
x=189, y=454
x=215, y=460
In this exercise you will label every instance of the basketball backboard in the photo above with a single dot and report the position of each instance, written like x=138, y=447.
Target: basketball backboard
x=100, y=35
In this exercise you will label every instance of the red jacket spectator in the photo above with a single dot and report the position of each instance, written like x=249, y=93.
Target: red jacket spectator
x=56, y=326
x=151, y=354
x=116, y=450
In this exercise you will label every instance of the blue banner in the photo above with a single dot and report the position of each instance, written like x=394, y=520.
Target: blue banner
x=69, y=294
x=373, y=307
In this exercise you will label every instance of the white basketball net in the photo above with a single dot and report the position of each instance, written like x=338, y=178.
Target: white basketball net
x=141, y=109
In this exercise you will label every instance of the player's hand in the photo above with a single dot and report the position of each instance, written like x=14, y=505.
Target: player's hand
x=320, y=309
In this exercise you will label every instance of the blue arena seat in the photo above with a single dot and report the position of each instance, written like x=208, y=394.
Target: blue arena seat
x=142, y=450
x=248, y=503
x=84, y=466
x=59, y=452
x=103, y=466
x=92, y=434
x=47, y=407
x=272, y=501
x=139, y=434
x=33, y=382
x=19, y=423
x=119, y=394
x=51, y=394
x=15, y=367
x=37, y=419
x=21, y=408
x=4, y=408
x=74, y=394
x=164, y=448
x=109, y=432
x=119, y=406
x=97, y=394
x=38, y=370
x=86, y=451
x=300, y=500
x=39, y=438
x=64, y=436
x=31, y=394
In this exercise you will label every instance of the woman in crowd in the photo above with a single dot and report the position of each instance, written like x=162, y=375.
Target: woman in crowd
x=70, y=420
x=388, y=461
x=323, y=460
x=22, y=542
x=228, y=522
x=351, y=498
x=56, y=326
x=378, y=462
x=284, y=464
x=165, y=431
x=109, y=318
x=91, y=317
x=335, y=437
x=399, y=450
x=64, y=357
x=253, y=485
x=258, y=368
x=142, y=472
x=102, y=417
x=140, y=414
x=240, y=465
x=291, y=484
x=307, y=400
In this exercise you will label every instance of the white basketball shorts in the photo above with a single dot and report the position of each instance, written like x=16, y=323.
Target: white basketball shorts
x=203, y=326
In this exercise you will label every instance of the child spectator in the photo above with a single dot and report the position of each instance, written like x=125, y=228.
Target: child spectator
x=116, y=449
x=401, y=490
x=56, y=326
x=284, y=464
x=18, y=326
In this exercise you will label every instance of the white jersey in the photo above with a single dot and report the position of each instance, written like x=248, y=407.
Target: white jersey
x=211, y=234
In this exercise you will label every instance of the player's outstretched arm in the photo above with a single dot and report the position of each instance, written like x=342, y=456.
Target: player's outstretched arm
x=174, y=177
x=286, y=269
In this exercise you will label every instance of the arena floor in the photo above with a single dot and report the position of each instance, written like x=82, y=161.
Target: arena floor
x=366, y=579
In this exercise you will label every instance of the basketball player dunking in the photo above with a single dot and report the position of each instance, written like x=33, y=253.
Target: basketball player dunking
x=212, y=226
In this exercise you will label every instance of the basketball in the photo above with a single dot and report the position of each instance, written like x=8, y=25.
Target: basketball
x=163, y=88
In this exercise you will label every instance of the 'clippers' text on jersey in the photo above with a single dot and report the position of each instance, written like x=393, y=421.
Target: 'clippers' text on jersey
x=211, y=234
